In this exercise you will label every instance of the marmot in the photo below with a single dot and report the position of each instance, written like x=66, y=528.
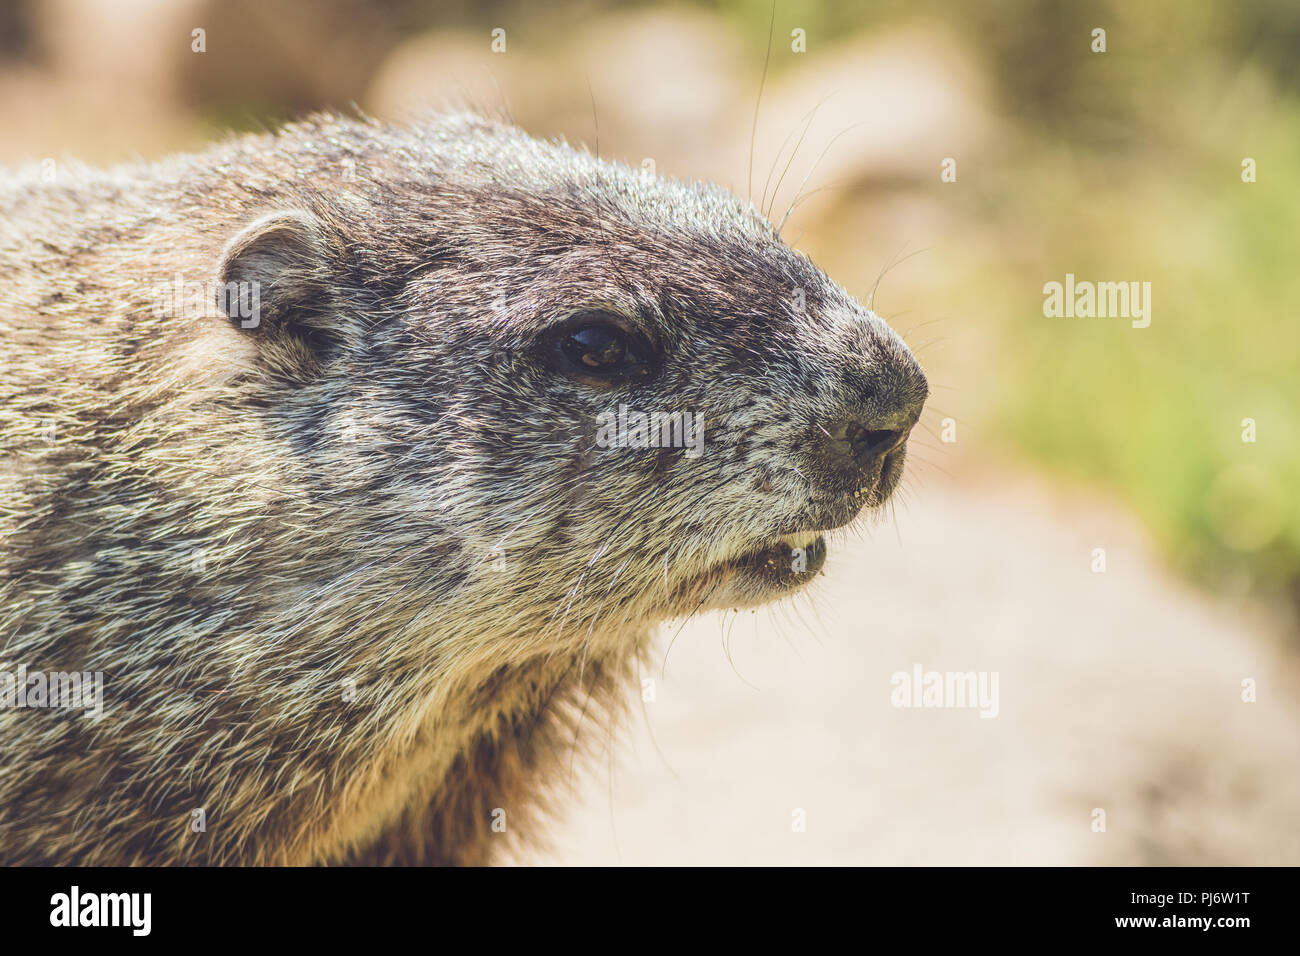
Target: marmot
x=302, y=450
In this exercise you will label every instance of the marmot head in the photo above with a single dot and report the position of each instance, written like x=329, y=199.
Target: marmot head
x=620, y=396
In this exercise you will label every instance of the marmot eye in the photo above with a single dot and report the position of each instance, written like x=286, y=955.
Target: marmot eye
x=595, y=346
x=600, y=348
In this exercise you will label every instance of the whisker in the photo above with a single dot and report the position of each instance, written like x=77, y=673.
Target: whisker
x=753, y=132
x=804, y=182
x=811, y=115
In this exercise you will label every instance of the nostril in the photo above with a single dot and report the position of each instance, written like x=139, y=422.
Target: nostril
x=867, y=443
x=882, y=441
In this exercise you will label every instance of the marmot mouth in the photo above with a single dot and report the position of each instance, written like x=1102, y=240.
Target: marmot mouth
x=791, y=561
x=750, y=578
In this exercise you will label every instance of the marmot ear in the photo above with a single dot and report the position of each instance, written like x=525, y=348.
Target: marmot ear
x=273, y=280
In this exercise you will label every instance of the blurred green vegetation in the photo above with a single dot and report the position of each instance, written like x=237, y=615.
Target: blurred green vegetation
x=1132, y=171
x=1157, y=414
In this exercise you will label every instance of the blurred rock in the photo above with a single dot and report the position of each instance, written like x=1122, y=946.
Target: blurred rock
x=457, y=70
x=285, y=58
x=649, y=84
x=884, y=108
x=104, y=79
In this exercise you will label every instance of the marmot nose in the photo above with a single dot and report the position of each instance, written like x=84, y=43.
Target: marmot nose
x=858, y=443
x=883, y=397
x=855, y=442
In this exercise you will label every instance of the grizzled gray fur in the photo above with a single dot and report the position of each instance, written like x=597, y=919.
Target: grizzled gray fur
x=343, y=543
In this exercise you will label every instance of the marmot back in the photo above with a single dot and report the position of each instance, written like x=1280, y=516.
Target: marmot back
x=361, y=462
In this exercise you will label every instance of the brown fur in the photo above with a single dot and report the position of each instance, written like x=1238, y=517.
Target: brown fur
x=350, y=468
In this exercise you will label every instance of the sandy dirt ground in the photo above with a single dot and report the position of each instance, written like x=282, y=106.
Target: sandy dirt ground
x=1118, y=691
